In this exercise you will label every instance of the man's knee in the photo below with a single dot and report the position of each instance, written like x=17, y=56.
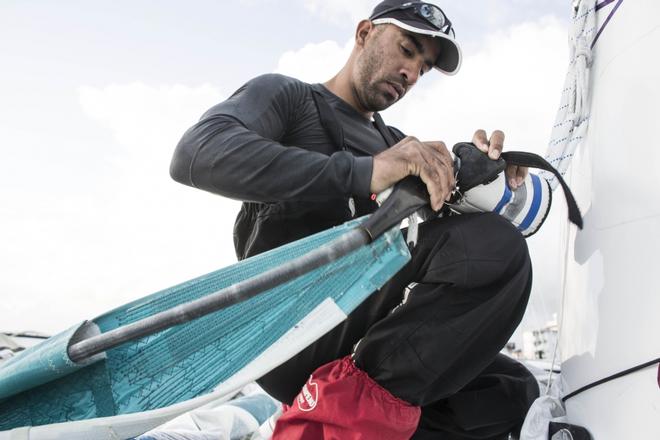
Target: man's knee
x=496, y=238
x=473, y=250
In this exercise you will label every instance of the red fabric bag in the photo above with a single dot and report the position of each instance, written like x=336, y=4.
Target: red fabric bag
x=341, y=402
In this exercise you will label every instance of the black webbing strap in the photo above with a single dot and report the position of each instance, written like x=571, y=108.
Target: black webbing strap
x=329, y=119
x=532, y=160
x=384, y=130
x=334, y=129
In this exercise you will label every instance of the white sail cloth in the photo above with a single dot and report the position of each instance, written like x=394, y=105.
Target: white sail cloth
x=571, y=124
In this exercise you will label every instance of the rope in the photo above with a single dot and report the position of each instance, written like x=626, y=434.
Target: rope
x=572, y=119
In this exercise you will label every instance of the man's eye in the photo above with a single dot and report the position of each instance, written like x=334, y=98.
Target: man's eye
x=406, y=51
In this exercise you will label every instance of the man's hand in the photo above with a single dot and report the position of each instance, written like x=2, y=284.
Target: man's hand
x=515, y=174
x=430, y=161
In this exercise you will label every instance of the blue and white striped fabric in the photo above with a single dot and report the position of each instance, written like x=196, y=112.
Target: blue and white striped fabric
x=526, y=207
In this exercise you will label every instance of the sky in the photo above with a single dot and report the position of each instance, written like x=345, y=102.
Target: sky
x=96, y=95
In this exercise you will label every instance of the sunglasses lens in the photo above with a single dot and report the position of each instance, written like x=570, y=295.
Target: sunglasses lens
x=433, y=15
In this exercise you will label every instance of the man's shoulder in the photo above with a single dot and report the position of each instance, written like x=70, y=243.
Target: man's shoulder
x=278, y=82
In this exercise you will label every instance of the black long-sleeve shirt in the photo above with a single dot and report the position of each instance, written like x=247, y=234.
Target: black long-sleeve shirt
x=267, y=146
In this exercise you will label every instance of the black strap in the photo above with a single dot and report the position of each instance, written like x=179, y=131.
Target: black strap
x=525, y=159
x=611, y=378
x=334, y=129
x=329, y=119
x=384, y=130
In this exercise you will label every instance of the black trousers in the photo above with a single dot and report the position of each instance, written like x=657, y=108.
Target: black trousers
x=468, y=283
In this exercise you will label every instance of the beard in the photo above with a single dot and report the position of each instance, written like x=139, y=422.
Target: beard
x=370, y=90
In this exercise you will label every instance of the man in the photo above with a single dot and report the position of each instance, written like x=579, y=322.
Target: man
x=304, y=158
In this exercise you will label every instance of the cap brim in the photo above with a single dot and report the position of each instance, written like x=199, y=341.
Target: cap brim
x=451, y=57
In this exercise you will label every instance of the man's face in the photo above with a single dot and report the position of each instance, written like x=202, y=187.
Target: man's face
x=391, y=62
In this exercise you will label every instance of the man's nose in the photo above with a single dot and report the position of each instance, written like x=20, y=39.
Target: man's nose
x=410, y=72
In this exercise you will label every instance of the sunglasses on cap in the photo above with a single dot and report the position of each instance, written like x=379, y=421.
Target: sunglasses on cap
x=428, y=12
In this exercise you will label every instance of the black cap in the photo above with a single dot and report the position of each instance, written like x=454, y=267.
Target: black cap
x=403, y=14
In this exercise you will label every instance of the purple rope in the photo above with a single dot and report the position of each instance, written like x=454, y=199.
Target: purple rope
x=607, y=20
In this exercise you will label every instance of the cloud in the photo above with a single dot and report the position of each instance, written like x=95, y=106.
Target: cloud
x=146, y=116
x=472, y=18
x=149, y=212
x=473, y=21
x=144, y=122
x=339, y=11
x=119, y=236
x=314, y=62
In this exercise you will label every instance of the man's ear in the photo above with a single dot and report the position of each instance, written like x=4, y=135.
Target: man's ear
x=364, y=27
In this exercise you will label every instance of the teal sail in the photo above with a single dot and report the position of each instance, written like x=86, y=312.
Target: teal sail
x=42, y=386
